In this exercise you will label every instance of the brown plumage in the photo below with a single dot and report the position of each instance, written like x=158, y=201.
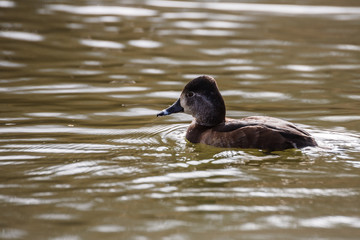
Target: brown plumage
x=202, y=99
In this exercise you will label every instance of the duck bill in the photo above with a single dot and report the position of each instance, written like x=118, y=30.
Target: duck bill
x=175, y=108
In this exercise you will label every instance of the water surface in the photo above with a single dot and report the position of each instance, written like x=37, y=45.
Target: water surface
x=83, y=155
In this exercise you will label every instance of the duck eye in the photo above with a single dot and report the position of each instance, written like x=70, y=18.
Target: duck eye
x=190, y=94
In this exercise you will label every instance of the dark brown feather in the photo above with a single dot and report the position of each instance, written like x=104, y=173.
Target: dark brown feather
x=255, y=132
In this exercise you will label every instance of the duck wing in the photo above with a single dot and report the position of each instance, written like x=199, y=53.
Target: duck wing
x=263, y=133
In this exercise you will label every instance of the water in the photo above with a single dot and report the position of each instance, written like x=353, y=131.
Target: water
x=83, y=156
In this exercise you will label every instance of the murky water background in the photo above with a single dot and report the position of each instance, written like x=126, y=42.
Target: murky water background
x=83, y=156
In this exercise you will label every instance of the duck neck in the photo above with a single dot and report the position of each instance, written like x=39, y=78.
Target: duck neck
x=211, y=117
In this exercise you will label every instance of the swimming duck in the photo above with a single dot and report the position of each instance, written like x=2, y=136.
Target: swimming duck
x=202, y=99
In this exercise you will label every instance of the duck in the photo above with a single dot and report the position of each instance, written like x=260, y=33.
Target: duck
x=202, y=99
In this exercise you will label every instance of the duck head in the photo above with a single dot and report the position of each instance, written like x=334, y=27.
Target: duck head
x=200, y=98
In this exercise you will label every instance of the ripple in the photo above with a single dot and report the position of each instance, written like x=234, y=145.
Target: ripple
x=206, y=16
x=12, y=233
x=55, y=216
x=25, y=36
x=331, y=222
x=145, y=136
x=75, y=26
x=68, y=169
x=59, y=148
x=179, y=176
x=118, y=171
x=72, y=71
x=300, y=82
x=301, y=68
x=347, y=47
x=227, y=208
x=152, y=71
x=186, y=15
x=145, y=43
x=266, y=42
x=108, y=228
x=4, y=63
x=351, y=96
x=224, y=51
x=213, y=33
x=173, y=135
x=17, y=157
x=186, y=42
x=66, y=237
x=102, y=10
x=32, y=139
x=165, y=225
x=57, y=115
x=70, y=88
x=67, y=129
x=266, y=192
x=341, y=66
x=169, y=83
x=334, y=142
x=339, y=118
x=131, y=112
x=284, y=8
x=26, y=201
x=105, y=19
x=164, y=94
x=257, y=7
x=7, y=4
x=92, y=63
x=170, y=61
x=308, y=68
x=273, y=96
x=211, y=24
x=290, y=222
x=242, y=68
x=101, y=44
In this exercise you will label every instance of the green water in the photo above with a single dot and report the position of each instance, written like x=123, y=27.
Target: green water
x=83, y=155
